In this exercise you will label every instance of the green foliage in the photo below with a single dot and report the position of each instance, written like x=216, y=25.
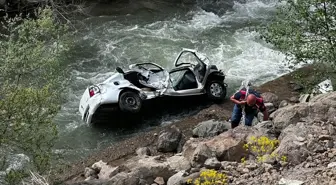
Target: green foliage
x=305, y=30
x=32, y=76
x=209, y=177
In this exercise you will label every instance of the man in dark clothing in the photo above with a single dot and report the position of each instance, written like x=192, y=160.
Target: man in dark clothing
x=252, y=104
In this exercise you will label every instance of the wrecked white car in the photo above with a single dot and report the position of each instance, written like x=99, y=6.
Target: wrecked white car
x=126, y=90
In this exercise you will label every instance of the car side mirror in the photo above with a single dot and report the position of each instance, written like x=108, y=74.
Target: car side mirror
x=119, y=70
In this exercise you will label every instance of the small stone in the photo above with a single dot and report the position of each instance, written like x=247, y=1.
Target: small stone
x=309, y=158
x=194, y=170
x=155, y=134
x=332, y=165
x=212, y=163
x=283, y=103
x=252, y=166
x=331, y=155
x=324, y=137
x=159, y=181
x=330, y=144
x=301, y=139
x=245, y=170
x=294, y=99
x=143, y=151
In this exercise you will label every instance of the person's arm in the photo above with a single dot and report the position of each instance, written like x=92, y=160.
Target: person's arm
x=236, y=99
x=263, y=109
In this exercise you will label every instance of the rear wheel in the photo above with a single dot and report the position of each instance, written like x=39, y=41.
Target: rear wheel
x=130, y=101
x=216, y=90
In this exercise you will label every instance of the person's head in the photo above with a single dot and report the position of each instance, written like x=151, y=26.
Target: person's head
x=251, y=100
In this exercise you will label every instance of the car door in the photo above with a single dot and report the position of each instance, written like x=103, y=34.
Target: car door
x=183, y=82
x=189, y=57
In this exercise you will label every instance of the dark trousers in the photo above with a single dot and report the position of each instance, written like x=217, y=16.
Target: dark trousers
x=237, y=115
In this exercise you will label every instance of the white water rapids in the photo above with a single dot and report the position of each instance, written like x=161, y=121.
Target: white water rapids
x=119, y=40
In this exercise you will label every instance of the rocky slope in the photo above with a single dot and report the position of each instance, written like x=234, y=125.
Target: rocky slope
x=305, y=152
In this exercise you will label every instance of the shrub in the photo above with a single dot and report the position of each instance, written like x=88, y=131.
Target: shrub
x=209, y=177
x=260, y=146
x=32, y=81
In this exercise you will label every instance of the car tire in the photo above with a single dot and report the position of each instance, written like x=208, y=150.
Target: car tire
x=130, y=101
x=216, y=90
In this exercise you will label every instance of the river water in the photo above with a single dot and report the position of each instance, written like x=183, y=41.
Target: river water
x=107, y=41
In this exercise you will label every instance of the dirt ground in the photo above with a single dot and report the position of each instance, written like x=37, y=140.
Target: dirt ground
x=117, y=153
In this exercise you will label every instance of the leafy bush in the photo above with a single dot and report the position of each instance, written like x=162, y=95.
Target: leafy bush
x=305, y=30
x=209, y=177
x=32, y=82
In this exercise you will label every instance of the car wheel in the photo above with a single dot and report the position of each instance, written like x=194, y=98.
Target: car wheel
x=216, y=90
x=130, y=101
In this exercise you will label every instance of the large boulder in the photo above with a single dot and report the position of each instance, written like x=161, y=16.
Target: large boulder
x=289, y=115
x=178, y=163
x=210, y=128
x=298, y=141
x=169, y=140
x=123, y=178
x=227, y=146
x=150, y=167
x=321, y=107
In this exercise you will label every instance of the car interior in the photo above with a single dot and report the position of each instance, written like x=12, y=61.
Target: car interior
x=133, y=77
x=200, y=70
x=186, y=80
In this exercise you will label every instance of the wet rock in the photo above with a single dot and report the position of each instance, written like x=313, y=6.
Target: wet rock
x=210, y=128
x=169, y=139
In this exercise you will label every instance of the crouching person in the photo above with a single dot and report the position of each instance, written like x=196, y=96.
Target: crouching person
x=253, y=103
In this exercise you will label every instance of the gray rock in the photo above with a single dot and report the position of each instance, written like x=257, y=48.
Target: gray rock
x=200, y=155
x=210, y=128
x=269, y=97
x=143, y=151
x=177, y=178
x=270, y=107
x=123, y=179
x=169, y=139
x=283, y=103
x=289, y=182
x=179, y=163
x=212, y=163
x=159, y=181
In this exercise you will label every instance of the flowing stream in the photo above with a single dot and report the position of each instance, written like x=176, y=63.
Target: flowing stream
x=226, y=35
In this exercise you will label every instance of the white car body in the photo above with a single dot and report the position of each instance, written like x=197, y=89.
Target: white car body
x=152, y=82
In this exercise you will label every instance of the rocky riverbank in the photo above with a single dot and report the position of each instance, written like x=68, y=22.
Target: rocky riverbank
x=295, y=147
x=305, y=149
